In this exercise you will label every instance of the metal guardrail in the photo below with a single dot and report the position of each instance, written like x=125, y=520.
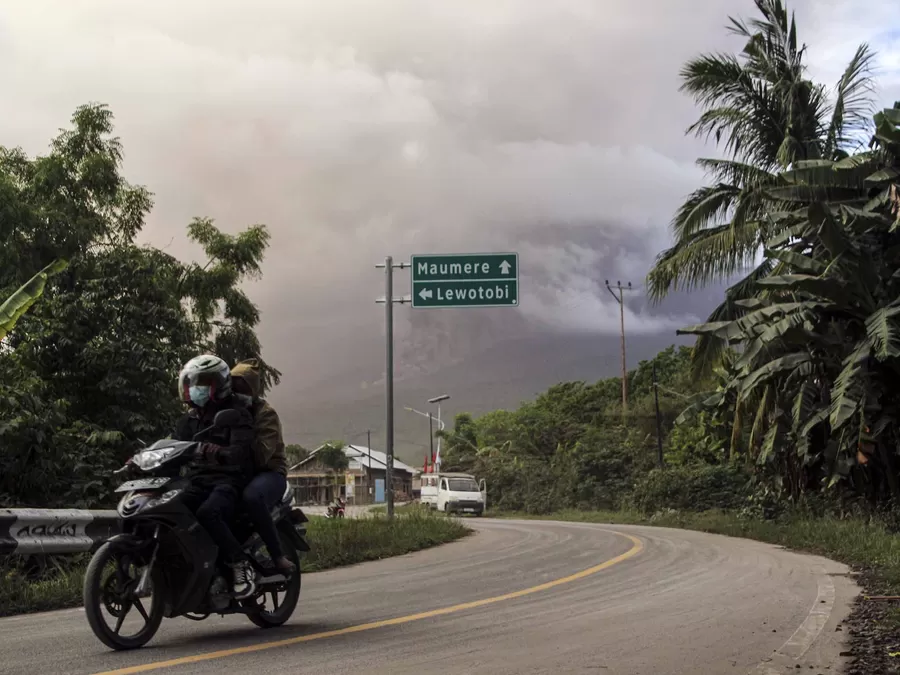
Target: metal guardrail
x=40, y=531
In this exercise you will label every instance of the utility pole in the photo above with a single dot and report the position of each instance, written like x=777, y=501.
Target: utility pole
x=619, y=298
x=438, y=399
x=389, y=301
x=659, y=446
x=431, y=436
x=369, y=472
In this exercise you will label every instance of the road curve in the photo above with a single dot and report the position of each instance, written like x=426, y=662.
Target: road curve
x=516, y=598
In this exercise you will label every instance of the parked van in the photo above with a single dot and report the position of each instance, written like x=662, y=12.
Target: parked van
x=454, y=493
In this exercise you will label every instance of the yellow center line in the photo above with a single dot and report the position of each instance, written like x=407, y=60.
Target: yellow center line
x=636, y=548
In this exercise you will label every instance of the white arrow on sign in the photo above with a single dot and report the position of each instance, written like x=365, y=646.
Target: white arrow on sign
x=425, y=293
x=505, y=267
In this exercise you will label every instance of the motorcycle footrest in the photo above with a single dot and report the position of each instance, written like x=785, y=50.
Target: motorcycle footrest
x=275, y=578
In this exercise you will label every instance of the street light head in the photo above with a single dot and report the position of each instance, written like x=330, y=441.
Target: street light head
x=438, y=399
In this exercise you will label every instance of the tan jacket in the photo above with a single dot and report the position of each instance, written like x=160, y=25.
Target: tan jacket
x=268, y=446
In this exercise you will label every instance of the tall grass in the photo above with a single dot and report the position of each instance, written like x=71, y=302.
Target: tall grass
x=337, y=542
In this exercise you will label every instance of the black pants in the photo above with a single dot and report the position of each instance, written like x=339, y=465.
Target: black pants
x=214, y=504
x=260, y=497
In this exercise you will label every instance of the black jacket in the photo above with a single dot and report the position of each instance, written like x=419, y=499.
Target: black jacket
x=232, y=446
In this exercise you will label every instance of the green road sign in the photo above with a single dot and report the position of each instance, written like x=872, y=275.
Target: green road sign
x=465, y=280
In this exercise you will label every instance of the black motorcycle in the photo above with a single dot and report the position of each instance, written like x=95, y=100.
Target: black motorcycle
x=165, y=557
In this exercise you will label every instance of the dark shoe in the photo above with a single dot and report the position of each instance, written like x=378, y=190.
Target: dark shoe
x=284, y=565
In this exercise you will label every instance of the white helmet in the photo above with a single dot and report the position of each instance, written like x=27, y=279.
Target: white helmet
x=204, y=378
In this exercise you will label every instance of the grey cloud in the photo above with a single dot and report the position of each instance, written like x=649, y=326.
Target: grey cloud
x=357, y=129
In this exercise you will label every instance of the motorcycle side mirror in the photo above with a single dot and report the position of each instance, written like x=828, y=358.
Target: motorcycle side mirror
x=223, y=419
x=226, y=418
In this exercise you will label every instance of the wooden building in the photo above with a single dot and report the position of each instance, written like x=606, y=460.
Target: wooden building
x=362, y=482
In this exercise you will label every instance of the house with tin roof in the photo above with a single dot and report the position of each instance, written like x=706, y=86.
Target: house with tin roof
x=362, y=483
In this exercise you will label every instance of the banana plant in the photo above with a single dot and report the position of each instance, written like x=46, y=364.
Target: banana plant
x=819, y=337
x=19, y=302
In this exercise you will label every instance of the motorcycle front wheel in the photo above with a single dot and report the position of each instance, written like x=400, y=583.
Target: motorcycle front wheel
x=109, y=584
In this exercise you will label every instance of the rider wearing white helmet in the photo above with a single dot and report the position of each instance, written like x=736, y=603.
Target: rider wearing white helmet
x=223, y=463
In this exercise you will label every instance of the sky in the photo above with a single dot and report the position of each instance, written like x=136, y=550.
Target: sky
x=358, y=129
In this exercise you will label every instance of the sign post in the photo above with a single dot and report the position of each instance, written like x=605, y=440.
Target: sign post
x=441, y=281
x=465, y=280
x=389, y=301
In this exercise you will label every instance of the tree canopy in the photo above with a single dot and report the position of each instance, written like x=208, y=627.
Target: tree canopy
x=793, y=381
x=90, y=368
x=766, y=114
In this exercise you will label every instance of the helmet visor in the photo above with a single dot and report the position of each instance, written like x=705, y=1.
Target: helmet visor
x=195, y=380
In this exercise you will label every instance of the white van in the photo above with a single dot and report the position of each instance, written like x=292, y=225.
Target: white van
x=454, y=493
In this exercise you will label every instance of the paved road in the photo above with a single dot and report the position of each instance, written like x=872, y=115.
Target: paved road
x=516, y=598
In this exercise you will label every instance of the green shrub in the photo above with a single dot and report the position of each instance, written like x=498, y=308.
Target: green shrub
x=692, y=488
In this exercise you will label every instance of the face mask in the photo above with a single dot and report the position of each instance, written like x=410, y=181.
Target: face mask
x=199, y=396
x=243, y=398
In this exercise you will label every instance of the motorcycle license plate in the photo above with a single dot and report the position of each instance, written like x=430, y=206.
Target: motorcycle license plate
x=143, y=484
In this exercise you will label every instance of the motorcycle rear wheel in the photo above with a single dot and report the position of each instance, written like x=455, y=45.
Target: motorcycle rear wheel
x=284, y=609
x=98, y=593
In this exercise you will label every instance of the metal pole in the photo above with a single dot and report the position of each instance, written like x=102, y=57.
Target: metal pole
x=440, y=426
x=659, y=445
x=369, y=472
x=624, y=368
x=431, y=436
x=620, y=299
x=389, y=383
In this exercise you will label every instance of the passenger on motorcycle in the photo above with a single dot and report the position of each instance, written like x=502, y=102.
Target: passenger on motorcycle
x=223, y=465
x=269, y=484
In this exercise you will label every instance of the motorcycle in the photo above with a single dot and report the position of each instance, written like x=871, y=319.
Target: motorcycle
x=164, y=554
x=336, y=509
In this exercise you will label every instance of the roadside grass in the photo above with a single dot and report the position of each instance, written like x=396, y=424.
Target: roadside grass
x=334, y=543
x=348, y=541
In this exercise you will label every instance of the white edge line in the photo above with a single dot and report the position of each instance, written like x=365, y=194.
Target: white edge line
x=802, y=639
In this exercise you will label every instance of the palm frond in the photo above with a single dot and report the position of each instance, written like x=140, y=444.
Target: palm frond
x=710, y=254
x=851, y=113
x=706, y=206
x=734, y=173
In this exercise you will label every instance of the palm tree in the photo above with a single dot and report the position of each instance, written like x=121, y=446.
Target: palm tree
x=769, y=116
x=820, y=338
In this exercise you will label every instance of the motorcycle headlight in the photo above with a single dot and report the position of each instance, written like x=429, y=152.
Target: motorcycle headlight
x=152, y=459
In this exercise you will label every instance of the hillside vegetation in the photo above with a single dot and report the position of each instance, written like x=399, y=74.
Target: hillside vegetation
x=783, y=416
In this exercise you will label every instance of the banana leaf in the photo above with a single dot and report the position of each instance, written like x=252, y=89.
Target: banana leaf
x=19, y=302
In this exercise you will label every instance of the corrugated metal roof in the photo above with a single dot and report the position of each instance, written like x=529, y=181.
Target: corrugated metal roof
x=361, y=456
